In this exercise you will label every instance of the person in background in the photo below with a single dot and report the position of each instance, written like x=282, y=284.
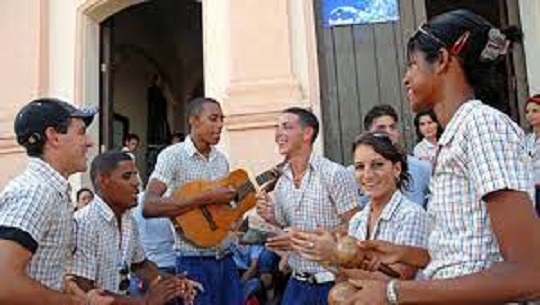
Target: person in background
x=257, y=265
x=428, y=130
x=131, y=143
x=384, y=118
x=177, y=137
x=84, y=196
x=532, y=113
x=157, y=239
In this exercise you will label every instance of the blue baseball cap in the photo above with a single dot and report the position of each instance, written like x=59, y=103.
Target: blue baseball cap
x=38, y=115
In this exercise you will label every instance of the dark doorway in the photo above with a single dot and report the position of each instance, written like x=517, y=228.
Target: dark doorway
x=151, y=63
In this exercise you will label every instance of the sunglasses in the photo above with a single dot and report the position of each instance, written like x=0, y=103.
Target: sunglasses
x=382, y=136
x=456, y=47
x=379, y=135
x=123, y=271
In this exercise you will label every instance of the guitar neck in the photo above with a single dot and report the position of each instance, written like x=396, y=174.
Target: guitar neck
x=261, y=180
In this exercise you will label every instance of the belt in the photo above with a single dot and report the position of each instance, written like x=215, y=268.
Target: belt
x=217, y=254
x=314, y=278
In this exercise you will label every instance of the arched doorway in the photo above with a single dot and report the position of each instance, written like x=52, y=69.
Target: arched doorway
x=140, y=42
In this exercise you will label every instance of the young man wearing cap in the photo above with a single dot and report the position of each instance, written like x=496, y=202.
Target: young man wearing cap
x=35, y=211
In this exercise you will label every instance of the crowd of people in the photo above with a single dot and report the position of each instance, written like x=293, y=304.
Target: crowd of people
x=455, y=220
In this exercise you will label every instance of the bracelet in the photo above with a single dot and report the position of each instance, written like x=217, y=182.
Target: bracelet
x=391, y=292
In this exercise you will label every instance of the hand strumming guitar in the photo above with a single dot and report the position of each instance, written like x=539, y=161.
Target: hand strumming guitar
x=220, y=195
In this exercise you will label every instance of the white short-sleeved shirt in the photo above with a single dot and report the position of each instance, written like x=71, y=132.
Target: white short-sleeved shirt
x=533, y=142
x=327, y=191
x=181, y=163
x=401, y=221
x=425, y=151
x=102, y=247
x=481, y=151
x=37, y=202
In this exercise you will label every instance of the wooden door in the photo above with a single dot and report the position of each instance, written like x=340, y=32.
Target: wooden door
x=362, y=66
x=106, y=86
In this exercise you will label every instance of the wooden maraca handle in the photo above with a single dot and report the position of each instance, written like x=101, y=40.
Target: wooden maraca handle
x=384, y=268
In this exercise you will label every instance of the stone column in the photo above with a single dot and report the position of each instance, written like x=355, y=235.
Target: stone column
x=24, y=73
x=253, y=67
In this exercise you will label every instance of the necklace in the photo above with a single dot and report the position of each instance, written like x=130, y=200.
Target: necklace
x=298, y=179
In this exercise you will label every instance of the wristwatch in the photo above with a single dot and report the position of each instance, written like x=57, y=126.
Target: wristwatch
x=391, y=292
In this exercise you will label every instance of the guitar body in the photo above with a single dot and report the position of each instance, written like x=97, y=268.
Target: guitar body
x=208, y=226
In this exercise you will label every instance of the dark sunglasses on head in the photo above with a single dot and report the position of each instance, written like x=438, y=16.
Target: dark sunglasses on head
x=381, y=136
x=456, y=47
x=123, y=271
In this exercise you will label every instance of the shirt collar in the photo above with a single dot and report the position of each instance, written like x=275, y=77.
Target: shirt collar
x=457, y=120
x=192, y=150
x=312, y=164
x=103, y=208
x=391, y=207
x=52, y=176
x=429, y=144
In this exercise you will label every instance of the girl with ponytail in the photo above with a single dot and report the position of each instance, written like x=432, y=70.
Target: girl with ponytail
x=485, y=239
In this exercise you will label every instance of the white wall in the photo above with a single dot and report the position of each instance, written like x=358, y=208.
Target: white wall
x=62, y=30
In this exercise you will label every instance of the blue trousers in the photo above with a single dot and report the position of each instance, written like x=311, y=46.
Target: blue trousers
x=219, y=278
x=303, y=293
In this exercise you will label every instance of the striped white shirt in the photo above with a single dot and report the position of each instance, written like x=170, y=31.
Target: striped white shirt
x=533, y=142
x=102, y=247
x=481, y=151
x=327, y=191
x=425, y=151
x=38, y=203
x=401, y=221
x=181, y=163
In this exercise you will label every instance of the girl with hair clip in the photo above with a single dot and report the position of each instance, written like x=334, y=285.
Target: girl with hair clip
x=532, y=113
x=485, y=240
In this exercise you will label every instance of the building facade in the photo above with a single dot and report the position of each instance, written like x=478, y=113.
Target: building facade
x=256, y=57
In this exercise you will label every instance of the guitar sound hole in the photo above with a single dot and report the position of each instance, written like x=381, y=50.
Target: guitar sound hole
x=209, y=218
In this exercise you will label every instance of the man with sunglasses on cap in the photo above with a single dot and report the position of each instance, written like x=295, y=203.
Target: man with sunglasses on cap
x=108, y=248
x=35, y=211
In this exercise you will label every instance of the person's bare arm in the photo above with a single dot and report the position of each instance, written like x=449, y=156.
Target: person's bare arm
x=157, y=206
x=344, y=228
x=157, y=295
x=391, y=253
x=517, y=230
x=406, y=272
x=147, y=271
x=349, y=214
x=251, y=271
x=16, y=288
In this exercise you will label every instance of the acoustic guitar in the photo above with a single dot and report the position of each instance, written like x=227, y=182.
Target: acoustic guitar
x=207, y=226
